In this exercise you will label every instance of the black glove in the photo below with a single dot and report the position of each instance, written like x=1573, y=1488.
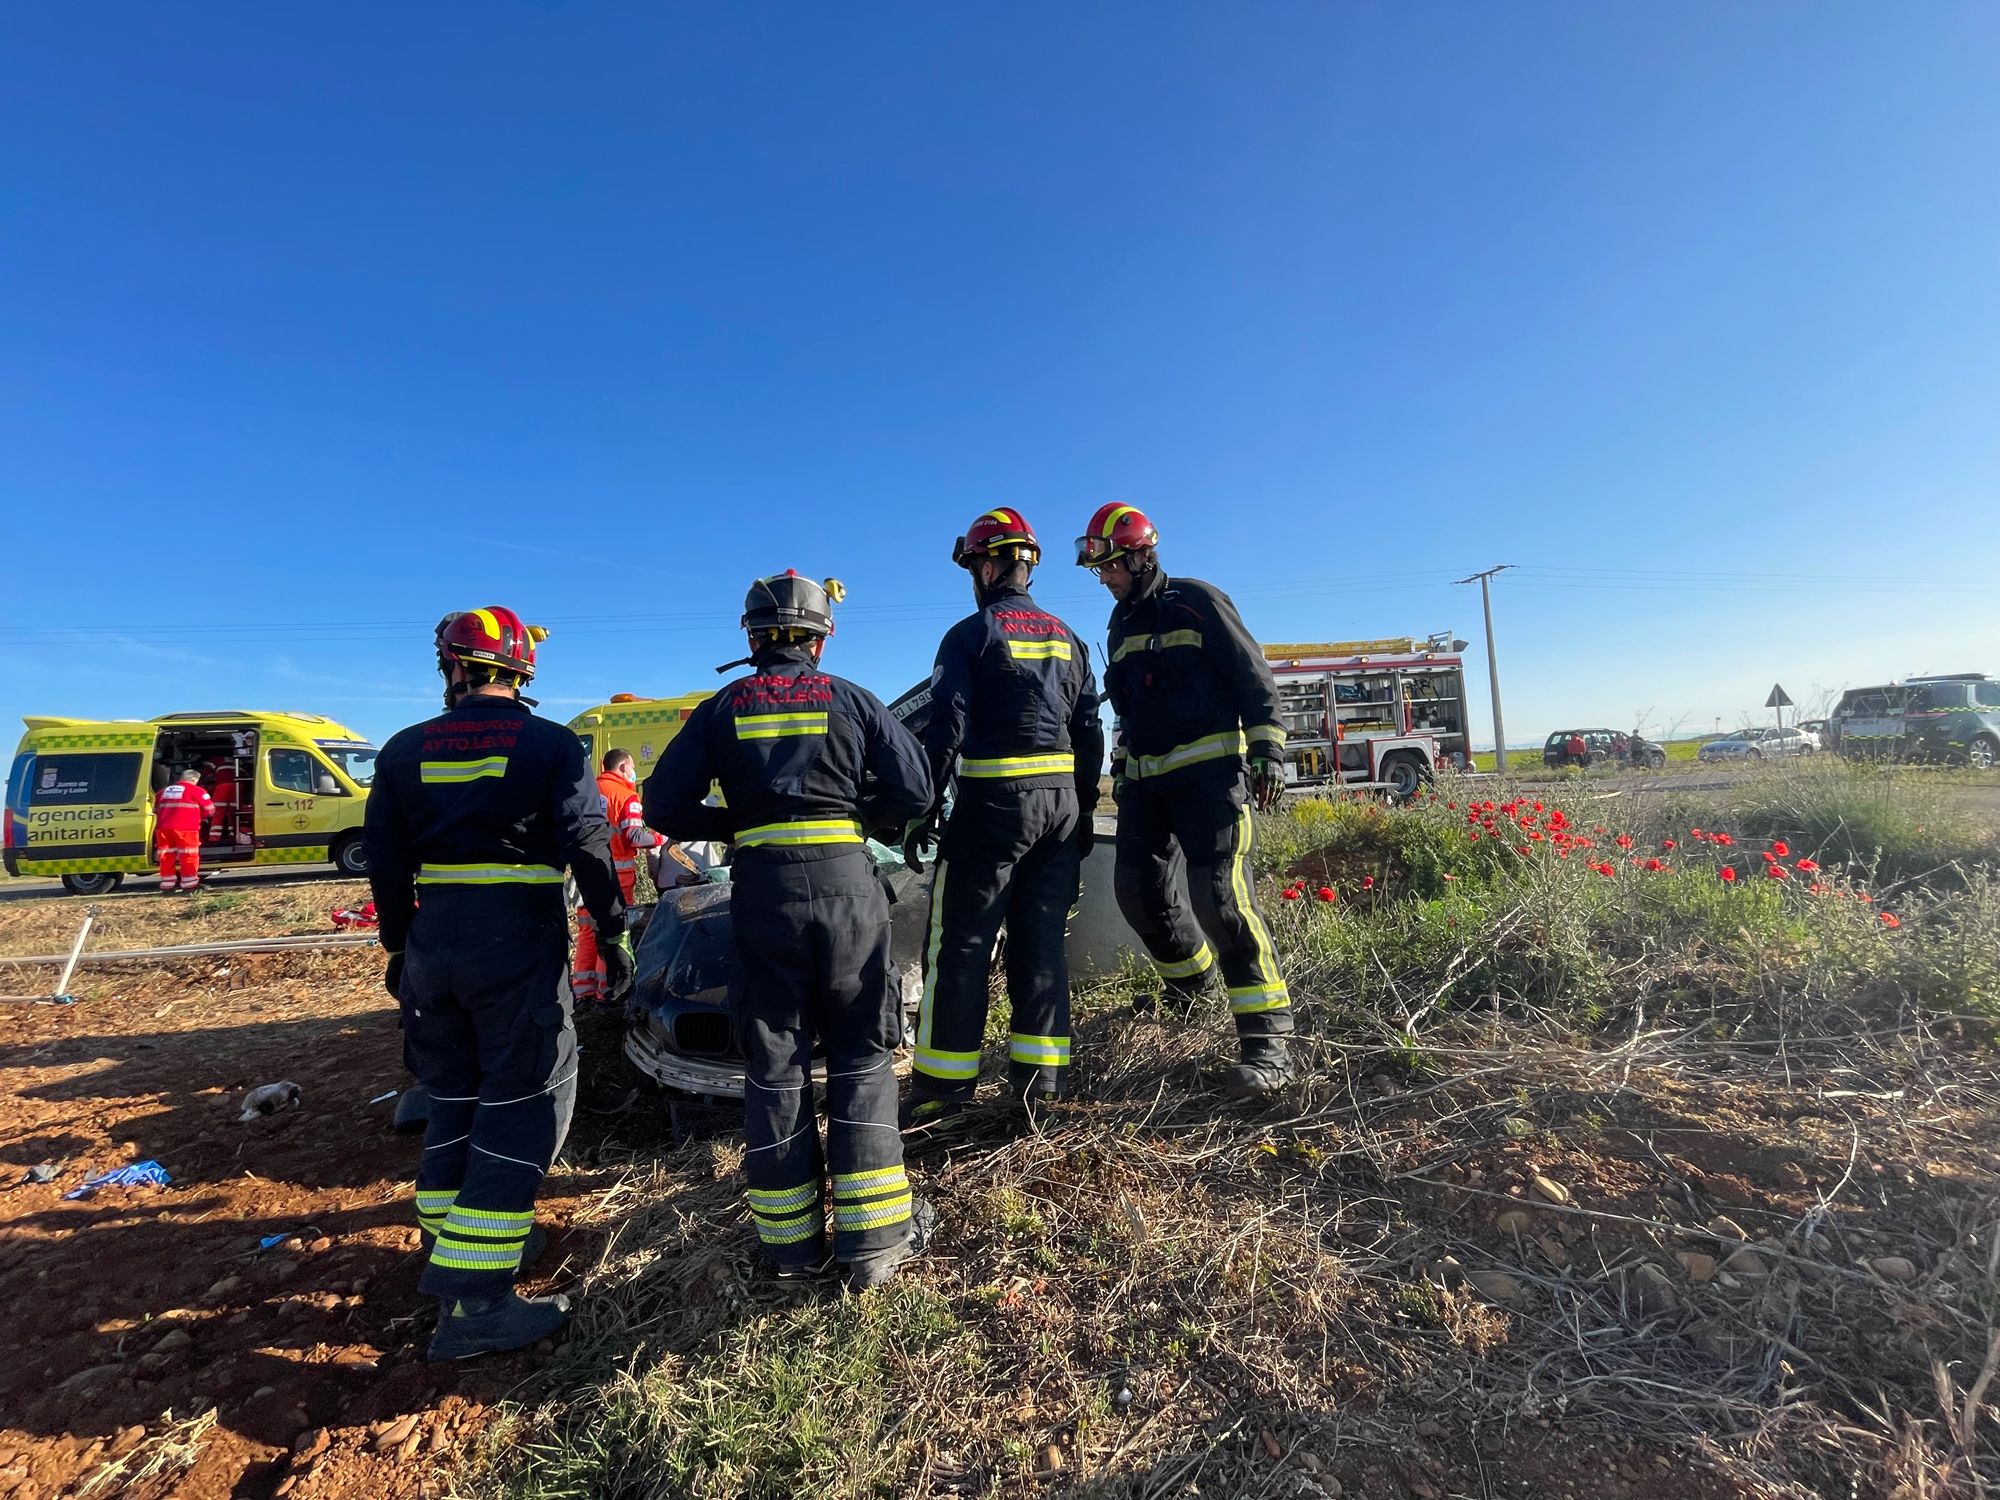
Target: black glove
x=1267, y=782
x=1086, y=836
x=619, y=966
x=392, y=978
x=920, y=835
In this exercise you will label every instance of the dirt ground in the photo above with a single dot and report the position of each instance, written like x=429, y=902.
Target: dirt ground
x=136, y=1311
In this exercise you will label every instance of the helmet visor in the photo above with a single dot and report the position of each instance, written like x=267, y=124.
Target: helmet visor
x=1095, y=551
x=961, y=557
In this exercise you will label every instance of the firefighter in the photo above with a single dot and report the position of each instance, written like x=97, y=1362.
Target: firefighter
x=808, y=764
x=179, y=811
x=1199, y=740
x=618, y=794
x=1014, y=709
x=480, y=809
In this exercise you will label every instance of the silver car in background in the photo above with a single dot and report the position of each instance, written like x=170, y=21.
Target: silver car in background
x=1759, y=744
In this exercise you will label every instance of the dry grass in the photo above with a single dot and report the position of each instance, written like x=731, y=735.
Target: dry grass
x=1150, y=1292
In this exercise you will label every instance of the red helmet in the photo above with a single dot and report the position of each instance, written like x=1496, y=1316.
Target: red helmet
x=494, y=638
x=1114, y=531
x=999, y=533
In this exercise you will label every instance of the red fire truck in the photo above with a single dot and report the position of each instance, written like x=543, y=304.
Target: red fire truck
x=1382, y=715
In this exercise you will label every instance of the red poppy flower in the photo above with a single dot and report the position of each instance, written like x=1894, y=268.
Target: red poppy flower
x=1770, y=858
x=1367, y=882
x=1668, y=844
x=1781, y=848
x=1863, y=896
x=1583, y=843
x=1558, y=820
x=1524, y=849
x=1534, y=836
x=1777, y=872
x=1889, y=920
x=1488, y=806
x=1727, y=872
x=1606, y=870
x=1696, y=833
x=1623, y=841
x=1290, y=893
x=1723, y=839
x=1472, y=835
x=1655, y=865
x=1600, y=828
x=1807, y=866
x=1325, y=893
x=1451, y=807
x=1538, y=807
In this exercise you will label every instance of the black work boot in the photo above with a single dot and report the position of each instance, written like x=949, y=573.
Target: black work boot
x=492, y=1325
x=1266, y=1068
x=920, y=1112
x=880, y=1266
x=538, y=1241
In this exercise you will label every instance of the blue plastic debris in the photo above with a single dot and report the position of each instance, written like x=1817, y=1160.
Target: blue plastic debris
x=272, y=1239
x=139, y=1174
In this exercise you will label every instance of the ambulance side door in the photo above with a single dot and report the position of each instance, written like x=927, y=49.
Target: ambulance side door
x=299, y=799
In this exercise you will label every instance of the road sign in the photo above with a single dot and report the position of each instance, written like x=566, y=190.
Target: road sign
x=1779, y=697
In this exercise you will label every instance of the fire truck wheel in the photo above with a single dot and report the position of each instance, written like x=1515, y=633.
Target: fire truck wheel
x=1404, y=774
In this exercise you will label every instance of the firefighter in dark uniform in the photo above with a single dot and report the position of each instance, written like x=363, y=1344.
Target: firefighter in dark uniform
x=809, y=764
x=1199, y=739
x=479, y=810
x=1014, y=709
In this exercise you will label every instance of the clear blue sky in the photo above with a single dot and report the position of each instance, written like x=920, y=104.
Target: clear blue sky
x=317, y=322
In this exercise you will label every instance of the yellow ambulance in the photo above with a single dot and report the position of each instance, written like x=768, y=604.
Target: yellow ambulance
x=289, y=788
x=629, y=722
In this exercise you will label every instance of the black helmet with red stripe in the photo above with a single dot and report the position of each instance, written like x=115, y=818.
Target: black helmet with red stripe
x=491, y=645
x=1114, y=531
x=1002, y=534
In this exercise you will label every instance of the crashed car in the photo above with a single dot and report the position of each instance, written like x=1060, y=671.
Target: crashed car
x=681, y=1031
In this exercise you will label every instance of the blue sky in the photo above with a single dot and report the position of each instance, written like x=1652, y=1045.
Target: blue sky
x=316, y=323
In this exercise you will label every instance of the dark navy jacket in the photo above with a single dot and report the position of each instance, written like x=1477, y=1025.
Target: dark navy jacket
x=1190, y=685
x=808, y=763
x=486, y=796
x=1014, y=703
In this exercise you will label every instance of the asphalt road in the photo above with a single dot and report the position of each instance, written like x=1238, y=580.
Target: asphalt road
x=33, y=889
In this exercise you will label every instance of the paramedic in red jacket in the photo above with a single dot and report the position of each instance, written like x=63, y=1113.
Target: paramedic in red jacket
x=618, y=790
x=178, y=813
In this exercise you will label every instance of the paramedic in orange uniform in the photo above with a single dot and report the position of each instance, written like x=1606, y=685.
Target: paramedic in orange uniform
x=617, y=787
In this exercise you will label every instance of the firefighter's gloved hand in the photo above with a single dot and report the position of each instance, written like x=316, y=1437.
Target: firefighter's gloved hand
x=392, y=977
x=1267, y=781
x=920, y=836
x=1086, y=836
x=619, y=966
